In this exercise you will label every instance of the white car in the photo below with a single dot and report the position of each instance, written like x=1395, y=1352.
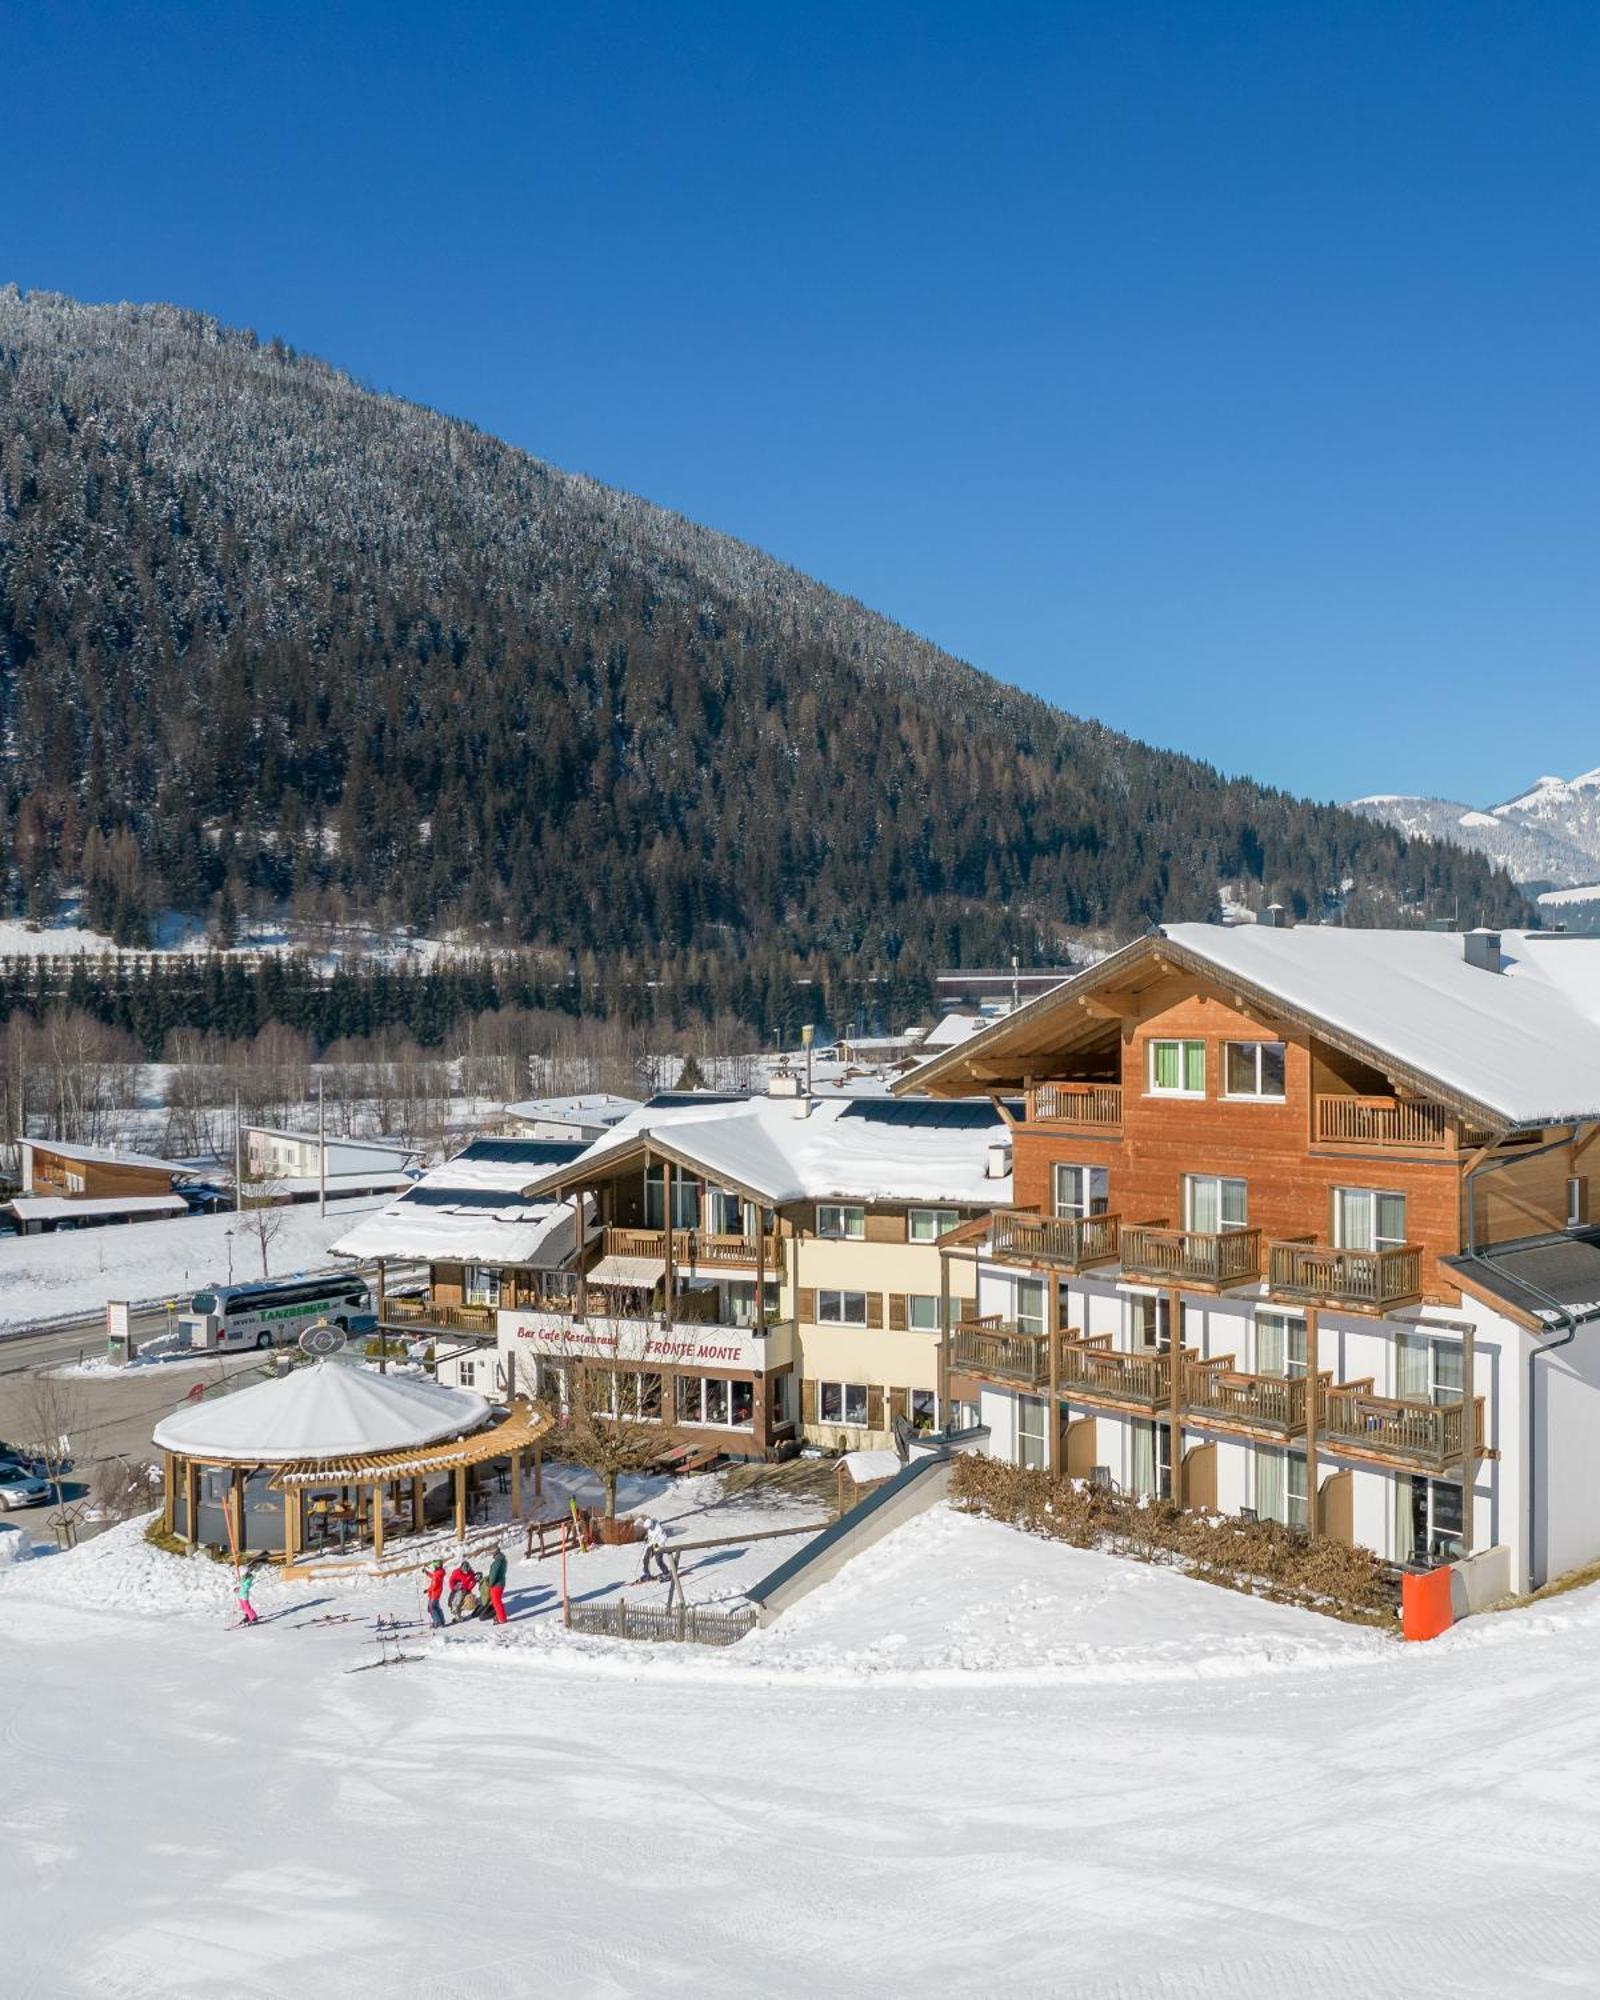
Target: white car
x=22, y=1489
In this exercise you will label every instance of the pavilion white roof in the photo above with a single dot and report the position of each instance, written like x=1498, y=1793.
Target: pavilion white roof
x=318, y=1412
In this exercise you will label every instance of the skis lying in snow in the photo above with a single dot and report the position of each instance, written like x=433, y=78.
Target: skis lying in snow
x=386, y=1635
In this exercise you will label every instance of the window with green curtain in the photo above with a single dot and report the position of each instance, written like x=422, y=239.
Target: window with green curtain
x=1270, y=1484
x=1194, y=1065
x=1144, y=1460
x=1168, y=1071
x=1391, y=1221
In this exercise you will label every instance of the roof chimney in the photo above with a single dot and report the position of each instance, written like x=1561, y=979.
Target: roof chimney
x=998, y=1163
x=1482, y=949
x=1275, y=917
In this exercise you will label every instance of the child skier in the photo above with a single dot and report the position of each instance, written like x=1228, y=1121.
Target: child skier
x=246, y=1583
x=435, y=1590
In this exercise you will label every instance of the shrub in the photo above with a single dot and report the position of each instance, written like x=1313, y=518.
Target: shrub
x=1259, y=1557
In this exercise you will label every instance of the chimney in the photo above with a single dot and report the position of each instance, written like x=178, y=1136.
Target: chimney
x=1482, y=949
x=998, y=1163
x=783, y=1083
x=1275, y=917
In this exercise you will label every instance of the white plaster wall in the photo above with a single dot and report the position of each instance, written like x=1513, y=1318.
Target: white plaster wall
x=998, y=1409
x=1567, y=1517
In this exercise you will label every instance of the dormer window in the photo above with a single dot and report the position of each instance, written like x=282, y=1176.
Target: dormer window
x=1177, y=1069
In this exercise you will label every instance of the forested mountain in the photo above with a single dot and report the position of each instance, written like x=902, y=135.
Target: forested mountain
x=267, y=635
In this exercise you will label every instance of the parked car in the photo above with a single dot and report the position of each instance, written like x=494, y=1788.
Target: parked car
x=22, y=1489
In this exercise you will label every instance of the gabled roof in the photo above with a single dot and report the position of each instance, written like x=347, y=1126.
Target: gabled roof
x=852, y=1149
x=106, y=1156
x=472, y=1208
x=1519, y=1047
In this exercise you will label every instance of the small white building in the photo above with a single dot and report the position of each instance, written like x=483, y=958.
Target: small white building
x=353, y=1166
x=583, y=1118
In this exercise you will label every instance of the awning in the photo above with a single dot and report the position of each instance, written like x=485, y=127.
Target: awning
x=637, y=1273
x=525, y=1425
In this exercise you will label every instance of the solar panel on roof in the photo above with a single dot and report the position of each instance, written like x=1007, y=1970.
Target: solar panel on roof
x=525, y=1152
x=455, y=1197
x=931, y=1114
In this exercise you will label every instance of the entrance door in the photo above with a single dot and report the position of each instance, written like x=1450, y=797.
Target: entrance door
x=1078, y=1437
x=1336, y=1509
x=1200, y=1478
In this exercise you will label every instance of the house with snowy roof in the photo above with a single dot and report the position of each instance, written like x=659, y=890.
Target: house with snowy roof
x=69, y=1186
x=1303, y=1226
x=764, y=1270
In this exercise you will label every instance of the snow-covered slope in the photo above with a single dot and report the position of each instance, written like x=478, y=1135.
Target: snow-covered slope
x=1549, y=833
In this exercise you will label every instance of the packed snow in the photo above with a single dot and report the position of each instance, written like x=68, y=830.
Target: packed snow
x=974, y=1762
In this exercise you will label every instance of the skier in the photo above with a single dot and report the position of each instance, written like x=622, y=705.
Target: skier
x=463, y=1580
x=435, y=1590
x=655, y=1542
x=246, y=1583
x=497, y=1585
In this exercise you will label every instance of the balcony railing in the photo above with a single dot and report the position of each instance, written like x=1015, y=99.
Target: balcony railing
x=1218, y=1392
x=1374, y=1281
x=1075, y=1243
x=1213, y=1259
x=1400, y=1124
x=1428, y=1436
x=996, y=1351
x=1092, y=1371
x=425, y=1313
x=693, y=1246
x=1090, y=1107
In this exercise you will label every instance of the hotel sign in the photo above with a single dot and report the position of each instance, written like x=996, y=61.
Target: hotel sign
x=638, y=1342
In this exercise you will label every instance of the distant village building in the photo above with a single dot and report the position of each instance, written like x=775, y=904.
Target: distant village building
x=292, y=1160
x=66, y=1186
x=582, y=1118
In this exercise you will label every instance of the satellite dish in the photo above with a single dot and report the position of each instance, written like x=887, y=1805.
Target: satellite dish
x=322, y=1340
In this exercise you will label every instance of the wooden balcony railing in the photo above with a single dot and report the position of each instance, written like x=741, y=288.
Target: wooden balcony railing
x=1429, y=1436
x=1374, y=1281
x=1092, y=1371
x=1075, y=1243
x=455, y=1319
x=693, y=1246
x=994, y=1350
x=1191, y=1256
x=1218, y=1391
x=1403, y=1124
x=1091, y=1107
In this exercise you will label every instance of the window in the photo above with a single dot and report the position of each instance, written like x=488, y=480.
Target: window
x=841, y=1308
x=927, y=1225
x=1178, y=1069
x=1280, y=1345
x=1427, y=1523
x=1031, y=1451
x=1030, y=1305
x=1212, y=1205
x=628, y=1392
x=482, y=1286
x=839, y=1222
x=1149, y=1322
x=1368, y=1219
x=714, y=1401
x=922, y=1312
x=842, y=1403
x=967, y=1416
x=1428, y=1371
x=1253, y=1069
x=552, y=1384
x=466, y=1374
x=685, y=1199
x=924, y=1410
x=1152, y=1461
x=1280, y=1487
x=724, y=1213
x=1081, y=1190
x=740, y=1309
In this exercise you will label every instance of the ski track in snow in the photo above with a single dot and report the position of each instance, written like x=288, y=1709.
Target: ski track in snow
x=975, y=1762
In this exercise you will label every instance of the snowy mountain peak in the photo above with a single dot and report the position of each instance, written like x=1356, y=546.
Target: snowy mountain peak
x=1549, y=833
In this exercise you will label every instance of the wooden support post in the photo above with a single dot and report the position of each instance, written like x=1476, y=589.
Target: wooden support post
x=383, y=1338
x=1175, y=1388
x=1469, y=1435
x=761, y=1269
x=583, y=1273
x=670, y=1276
x=168, y=1499
x=1052, y=1320
x=460, y=1477
x=236, y=1502
x=944, y=1339
x=1313, y=1422
x=291, y=1524
x=191, y=1500
x=538, y=1470
x=378, y=1487
x=418, y=1507
x=516, y=1486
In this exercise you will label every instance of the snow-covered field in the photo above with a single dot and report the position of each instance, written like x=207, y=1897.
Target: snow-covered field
x=973, y=1763
x=75, y=1271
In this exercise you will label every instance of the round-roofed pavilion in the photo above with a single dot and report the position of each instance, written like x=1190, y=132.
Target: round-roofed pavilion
x=334, y=1450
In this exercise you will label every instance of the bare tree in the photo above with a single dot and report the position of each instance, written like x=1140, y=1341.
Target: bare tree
x=263, y=1212
x=49, y=1410
x=606, y=1427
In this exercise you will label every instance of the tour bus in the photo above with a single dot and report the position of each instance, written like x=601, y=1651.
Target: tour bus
x=274, y=1314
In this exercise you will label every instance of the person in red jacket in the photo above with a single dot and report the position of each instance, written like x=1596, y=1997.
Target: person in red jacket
x=463, y=1582
x=434, y=1592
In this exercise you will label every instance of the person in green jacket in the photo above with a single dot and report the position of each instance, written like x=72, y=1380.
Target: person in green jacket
x=497, y=1586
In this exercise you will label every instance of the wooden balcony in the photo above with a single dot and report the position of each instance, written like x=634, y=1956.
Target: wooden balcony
x=1201, y=1260
x=1218, y=1394
x=1415, y=1436
x=1069, y=1243
x=994, y=1351
x=1086, y=1107
x=425, y=1313
x=1093, y=1371
x=697, y=1248
x=1369, y=1281
x=1390, y=1124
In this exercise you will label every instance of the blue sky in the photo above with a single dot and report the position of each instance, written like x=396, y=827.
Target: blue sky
x=1226, y=372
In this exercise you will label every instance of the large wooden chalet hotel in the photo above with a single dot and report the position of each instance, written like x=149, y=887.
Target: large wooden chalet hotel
x=1300, y=1225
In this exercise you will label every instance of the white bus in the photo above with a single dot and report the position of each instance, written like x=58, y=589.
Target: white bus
x=275, y=1314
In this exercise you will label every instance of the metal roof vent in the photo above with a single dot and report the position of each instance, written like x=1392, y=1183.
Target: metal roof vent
x=1275, y=917
x=1482, y=949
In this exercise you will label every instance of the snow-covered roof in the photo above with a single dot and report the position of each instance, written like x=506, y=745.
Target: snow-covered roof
x=472, y=1208
x=862, y=1149
x=62, y=1207
x=1524, y=1042
x=954, y=1029
x=318, y=1412
x=386, y=1146
x=375, y=1180
x=598, y=1108
x=105, y=1156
